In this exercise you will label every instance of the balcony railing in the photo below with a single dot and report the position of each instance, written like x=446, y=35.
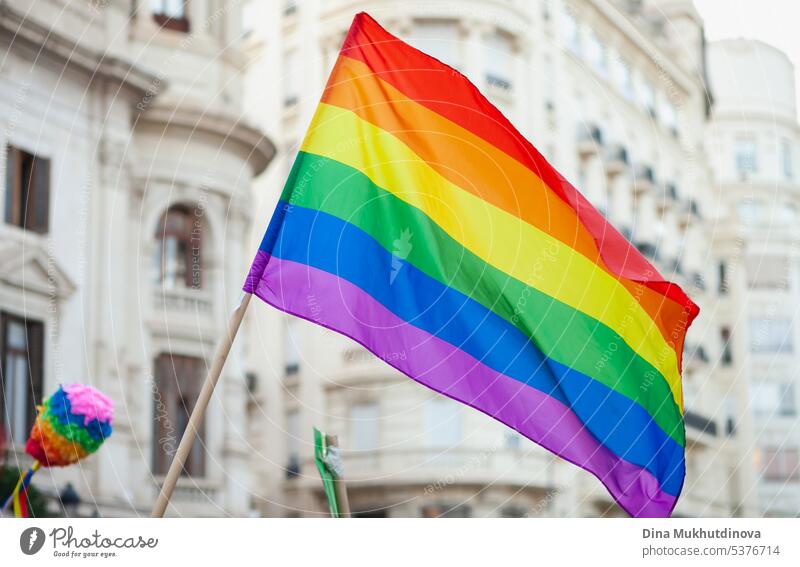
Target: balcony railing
x=183, y=301
x=700, y=423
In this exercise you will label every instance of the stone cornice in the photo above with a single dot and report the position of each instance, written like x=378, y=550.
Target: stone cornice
x=252, y=144
x=99, y=65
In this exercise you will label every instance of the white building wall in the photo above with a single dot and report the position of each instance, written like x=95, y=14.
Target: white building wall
x=133, y=118
x=754, y=91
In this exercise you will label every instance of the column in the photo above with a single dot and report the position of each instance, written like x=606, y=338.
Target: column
x=474, y=64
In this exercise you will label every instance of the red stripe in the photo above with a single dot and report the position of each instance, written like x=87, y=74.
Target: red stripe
x=447, y=92
x=23, y=503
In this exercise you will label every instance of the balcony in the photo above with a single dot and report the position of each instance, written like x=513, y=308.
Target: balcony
x=698, y=426
x=617, y=159
x=192, y=496
x=423, y=466
x=698, y=281
x=590, y=139
x=671, y=192
x=498, y=83
x=189, y=301
x=648, y=250
x=696, y=354
x=644, y=178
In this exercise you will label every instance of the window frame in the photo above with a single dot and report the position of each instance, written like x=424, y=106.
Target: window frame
x=28, y=188
x=178, y=379
x=34, y=355
x=787, y=161
x=648, y=96
x=763, y=332
x=780, y=464
x=188, y=235
x=165, y=20
x=571, y=29
x=597, y=53
x=745, y=160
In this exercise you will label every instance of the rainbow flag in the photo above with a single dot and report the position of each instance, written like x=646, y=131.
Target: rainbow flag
x=419, y=222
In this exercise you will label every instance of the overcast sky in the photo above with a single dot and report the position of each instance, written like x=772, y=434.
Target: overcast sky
x=771, y=21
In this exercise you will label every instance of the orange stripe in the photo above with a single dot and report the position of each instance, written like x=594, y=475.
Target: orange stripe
x=479, y=167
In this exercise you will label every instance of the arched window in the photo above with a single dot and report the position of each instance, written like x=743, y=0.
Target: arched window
x=179, y=255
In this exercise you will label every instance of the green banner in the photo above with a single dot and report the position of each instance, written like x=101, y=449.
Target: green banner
x=327, y=474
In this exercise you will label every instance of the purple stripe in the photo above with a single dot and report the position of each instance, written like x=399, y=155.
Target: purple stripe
x=335, y=303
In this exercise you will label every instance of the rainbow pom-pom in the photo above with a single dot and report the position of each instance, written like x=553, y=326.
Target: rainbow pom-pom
x=71, y=425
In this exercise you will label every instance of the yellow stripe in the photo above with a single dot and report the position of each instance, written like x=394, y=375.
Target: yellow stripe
x=17, y=504
x=499, y=238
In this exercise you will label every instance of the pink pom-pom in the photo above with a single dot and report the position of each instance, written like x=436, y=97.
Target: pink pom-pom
x=90, y=403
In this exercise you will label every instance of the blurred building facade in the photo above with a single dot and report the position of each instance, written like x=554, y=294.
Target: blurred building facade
x=129, y=222
x=614, y=95
x=753, y=141
x=127, y=201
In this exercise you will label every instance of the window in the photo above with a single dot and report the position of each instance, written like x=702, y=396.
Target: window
x=647, y=97
x=571, y=30
x=764, y=399
x=291, y=73
x=771, y=335
x=21, y=375
x=27, y=190
x=597, y=55
x=442, y=422
x=731, y=415
x=499, y=61
x=293, y=437
x=786, y=158
x=727, y=352
x=289, y=7
x=779, y=464
x=669, y=115
x=512, y=440
x=513, y=512
x=249, y=16
x=767, y=272
x=291, y=347
x=293, y=433
x=178, y=382
x=773, y=399
x=179, y=254
x=623, y=76
x=787, y=400
x=723, y=278
x=445, y=511
x=786, y=213
x=749, y=212
x=549, y=88
x=364, y=427
x=439, y=39
x=170, y=14
x=745, y=156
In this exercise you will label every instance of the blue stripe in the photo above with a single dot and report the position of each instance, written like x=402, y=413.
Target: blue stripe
x=61, y=410
x=328, y=243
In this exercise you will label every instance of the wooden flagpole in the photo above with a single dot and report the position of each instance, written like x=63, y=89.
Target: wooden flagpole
x=199, y=411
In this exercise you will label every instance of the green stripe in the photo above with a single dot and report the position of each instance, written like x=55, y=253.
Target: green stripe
x=557, y=329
